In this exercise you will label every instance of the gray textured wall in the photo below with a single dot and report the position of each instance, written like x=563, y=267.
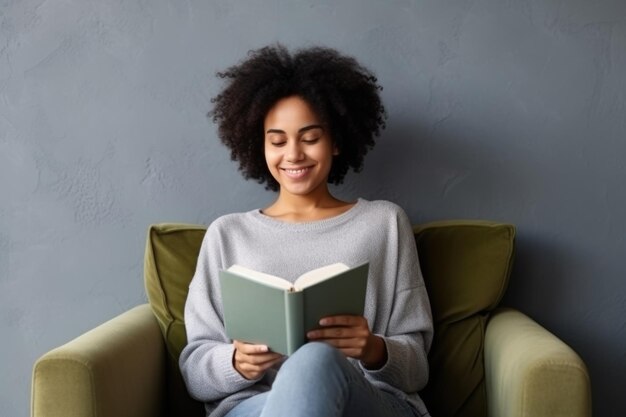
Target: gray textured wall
x=507, y=110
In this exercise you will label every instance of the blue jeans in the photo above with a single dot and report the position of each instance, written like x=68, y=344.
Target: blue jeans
x=318, y=381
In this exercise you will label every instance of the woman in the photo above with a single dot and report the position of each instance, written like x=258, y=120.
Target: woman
x=297, y=123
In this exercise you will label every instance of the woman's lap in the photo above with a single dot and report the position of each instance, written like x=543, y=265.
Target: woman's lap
x=318, y=380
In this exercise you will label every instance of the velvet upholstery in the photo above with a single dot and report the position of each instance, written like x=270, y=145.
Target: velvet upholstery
x=466, y=267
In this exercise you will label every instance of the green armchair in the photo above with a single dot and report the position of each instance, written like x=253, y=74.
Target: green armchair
x=485, y=360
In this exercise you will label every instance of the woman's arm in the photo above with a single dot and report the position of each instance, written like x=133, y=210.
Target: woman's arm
x=206, y=362
x=408, y=329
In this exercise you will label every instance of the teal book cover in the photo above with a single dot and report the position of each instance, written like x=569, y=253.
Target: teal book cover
x=264, y=309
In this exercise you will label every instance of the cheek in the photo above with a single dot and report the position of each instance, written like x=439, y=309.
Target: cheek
x=325, y=154
x=271, y=157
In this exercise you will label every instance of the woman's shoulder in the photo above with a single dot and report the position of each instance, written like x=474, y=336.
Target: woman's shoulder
x=230, y=220
x=383, y=207
x=388, y=213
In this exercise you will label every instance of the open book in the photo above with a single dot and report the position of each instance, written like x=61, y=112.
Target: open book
x=265, y=309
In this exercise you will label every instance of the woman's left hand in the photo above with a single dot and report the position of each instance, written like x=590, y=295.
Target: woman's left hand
x=352, y=336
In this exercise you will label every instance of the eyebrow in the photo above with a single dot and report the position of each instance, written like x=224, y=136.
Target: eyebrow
x=303, y=129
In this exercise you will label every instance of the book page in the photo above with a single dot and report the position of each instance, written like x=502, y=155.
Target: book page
x=318, y=275
x=261, y=277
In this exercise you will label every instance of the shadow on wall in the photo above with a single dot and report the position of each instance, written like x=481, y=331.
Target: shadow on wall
x=436, y=175
x=539, y=277
x=544, y=285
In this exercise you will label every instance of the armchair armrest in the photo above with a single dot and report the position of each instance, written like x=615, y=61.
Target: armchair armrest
x=530, y=372
x=116, y=369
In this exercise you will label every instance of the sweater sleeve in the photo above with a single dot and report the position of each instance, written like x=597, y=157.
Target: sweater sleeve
x=206, y=361
x=409, y=331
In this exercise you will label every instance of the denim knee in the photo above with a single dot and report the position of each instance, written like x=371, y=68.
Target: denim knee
x=318, y=352
x=315, y=357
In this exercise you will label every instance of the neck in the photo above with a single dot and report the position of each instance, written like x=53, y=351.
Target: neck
x=305, y=203
x=313, y=206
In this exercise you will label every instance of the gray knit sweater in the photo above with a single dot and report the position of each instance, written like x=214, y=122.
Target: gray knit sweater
x=396, y=308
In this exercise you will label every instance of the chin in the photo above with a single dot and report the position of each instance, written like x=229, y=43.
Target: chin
x=301, y=189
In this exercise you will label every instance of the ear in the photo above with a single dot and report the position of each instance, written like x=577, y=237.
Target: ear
x=335, y=150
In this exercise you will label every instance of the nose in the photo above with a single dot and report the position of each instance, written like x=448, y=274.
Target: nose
x=294, y=152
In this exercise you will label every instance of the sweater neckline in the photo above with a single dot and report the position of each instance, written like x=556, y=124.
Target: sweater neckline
x=258, y=215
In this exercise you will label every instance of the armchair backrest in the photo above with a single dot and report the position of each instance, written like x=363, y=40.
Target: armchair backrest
x=466, y=266
x=169, y=264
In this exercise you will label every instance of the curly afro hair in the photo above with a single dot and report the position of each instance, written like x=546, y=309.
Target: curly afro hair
x=343, y=94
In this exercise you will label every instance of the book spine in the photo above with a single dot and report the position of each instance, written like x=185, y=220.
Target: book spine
x=294, y=310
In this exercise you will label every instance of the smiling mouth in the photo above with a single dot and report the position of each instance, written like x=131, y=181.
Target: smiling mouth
x=296, y=172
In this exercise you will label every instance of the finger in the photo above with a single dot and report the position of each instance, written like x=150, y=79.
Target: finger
x=249, y=348
x=252, y=371
x=344, y=320
x=256, y=357
x=338, y=333
x=329, y=333
x=246, y=354
x=351, y=352
x=261, y=363
x=354, y=343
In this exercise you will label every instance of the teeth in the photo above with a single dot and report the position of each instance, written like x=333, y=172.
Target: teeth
x=295, y=171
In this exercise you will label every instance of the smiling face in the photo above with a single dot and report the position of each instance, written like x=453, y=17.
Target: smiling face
x=298, y=148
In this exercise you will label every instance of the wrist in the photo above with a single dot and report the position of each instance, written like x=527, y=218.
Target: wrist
x=377, y=355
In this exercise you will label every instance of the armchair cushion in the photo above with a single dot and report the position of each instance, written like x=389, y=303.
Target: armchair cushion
x=466, y=266
x=169, y=264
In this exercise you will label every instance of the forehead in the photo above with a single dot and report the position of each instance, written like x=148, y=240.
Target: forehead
x=291, y=111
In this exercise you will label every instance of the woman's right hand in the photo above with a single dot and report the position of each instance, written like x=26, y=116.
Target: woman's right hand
x=252, y=361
